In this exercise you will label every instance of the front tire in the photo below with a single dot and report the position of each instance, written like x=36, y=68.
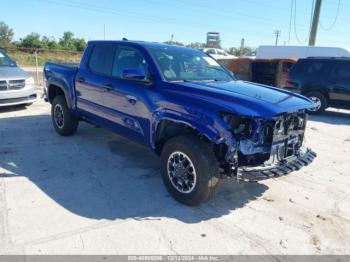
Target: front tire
x=320, y=100
x=189, y=169
x=63, y=121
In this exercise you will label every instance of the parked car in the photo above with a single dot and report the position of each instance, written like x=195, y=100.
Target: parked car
x=218, y=53
x=182, y=104
x=326, y=81
x=16, y=86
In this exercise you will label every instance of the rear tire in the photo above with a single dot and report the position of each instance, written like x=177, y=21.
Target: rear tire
x=320, y=100
x=64, y=122
x=189, y=169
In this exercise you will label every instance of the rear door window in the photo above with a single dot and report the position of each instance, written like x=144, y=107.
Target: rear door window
x=307, y=68
x=314, y=67
x=341, y=71
x=101, y=59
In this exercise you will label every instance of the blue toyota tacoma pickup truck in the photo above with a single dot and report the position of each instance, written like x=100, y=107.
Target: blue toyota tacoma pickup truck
x=181, y=103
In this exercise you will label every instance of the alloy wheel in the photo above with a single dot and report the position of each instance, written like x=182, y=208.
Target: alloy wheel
x=181, y=172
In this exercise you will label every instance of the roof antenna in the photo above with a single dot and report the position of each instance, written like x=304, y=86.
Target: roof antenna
x=125, y=39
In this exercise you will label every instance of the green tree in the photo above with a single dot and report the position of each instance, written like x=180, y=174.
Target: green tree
x=49, y=43
x=233, y=51
x=67, y=40
x=197, y=45
x=174, y=43
x=248, y=51
x=6, y=34
x=236, y=51
x=79, y=44
x=31, y=41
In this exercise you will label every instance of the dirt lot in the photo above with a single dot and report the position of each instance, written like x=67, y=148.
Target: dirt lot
x=98, y=193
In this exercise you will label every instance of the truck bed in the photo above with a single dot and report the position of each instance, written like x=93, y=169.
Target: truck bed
x=61, y=73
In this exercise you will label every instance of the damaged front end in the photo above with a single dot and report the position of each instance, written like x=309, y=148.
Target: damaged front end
x=265, y=148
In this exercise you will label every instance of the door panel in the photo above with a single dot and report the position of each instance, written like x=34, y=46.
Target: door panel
x=93, y=81
x=90, y=93
x=127, y=100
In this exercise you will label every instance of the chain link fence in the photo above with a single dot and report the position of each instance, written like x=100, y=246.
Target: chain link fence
x=32, y=60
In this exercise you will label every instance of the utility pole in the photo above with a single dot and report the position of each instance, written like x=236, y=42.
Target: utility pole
x=315, y=19
x=277, y=33
x=104, y=31
x=36, y=66
x=241, y=49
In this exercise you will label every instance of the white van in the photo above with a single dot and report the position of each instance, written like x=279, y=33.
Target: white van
x=297, y=52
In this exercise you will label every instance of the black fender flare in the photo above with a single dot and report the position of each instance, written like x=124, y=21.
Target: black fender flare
x=63, y=88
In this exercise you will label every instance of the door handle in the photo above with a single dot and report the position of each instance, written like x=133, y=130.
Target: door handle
x=80, y=79
x=132, y=100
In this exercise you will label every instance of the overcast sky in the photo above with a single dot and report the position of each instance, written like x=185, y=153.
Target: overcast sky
x=188, y=20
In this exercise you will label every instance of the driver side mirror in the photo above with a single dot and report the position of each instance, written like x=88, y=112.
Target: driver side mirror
x=137, y=74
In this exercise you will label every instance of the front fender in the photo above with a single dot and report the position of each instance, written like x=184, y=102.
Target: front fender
x=213, y=128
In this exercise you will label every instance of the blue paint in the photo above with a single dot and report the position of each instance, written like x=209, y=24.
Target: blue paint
x=135, y=108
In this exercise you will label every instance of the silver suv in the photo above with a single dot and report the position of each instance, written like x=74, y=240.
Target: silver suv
x=16, y=86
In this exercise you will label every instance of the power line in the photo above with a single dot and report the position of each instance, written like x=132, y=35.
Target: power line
x=273, y=6
x=220, y=12
x=111, y=11
x=295, y=19
x=335, y=19
x=195, y=25
x=167, y=20
x=290, y=20
x=226, y=13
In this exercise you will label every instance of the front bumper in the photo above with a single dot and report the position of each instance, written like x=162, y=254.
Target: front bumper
x=252, y=174
x=26, y=95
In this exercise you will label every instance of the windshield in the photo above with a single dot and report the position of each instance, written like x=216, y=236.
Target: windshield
x=5, y=60
x=180, y=64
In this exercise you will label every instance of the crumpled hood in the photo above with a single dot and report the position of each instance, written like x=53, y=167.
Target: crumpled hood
x=12, y=73
x=243, y=98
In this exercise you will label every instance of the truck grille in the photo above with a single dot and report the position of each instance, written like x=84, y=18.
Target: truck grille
x=16, y=84
x=3, y=85
x=288, y=136
x=12, y=84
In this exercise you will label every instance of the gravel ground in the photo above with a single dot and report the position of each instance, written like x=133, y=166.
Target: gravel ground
x=97, y=193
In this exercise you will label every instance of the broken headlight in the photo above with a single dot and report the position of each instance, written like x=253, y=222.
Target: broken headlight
x=240, y=126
